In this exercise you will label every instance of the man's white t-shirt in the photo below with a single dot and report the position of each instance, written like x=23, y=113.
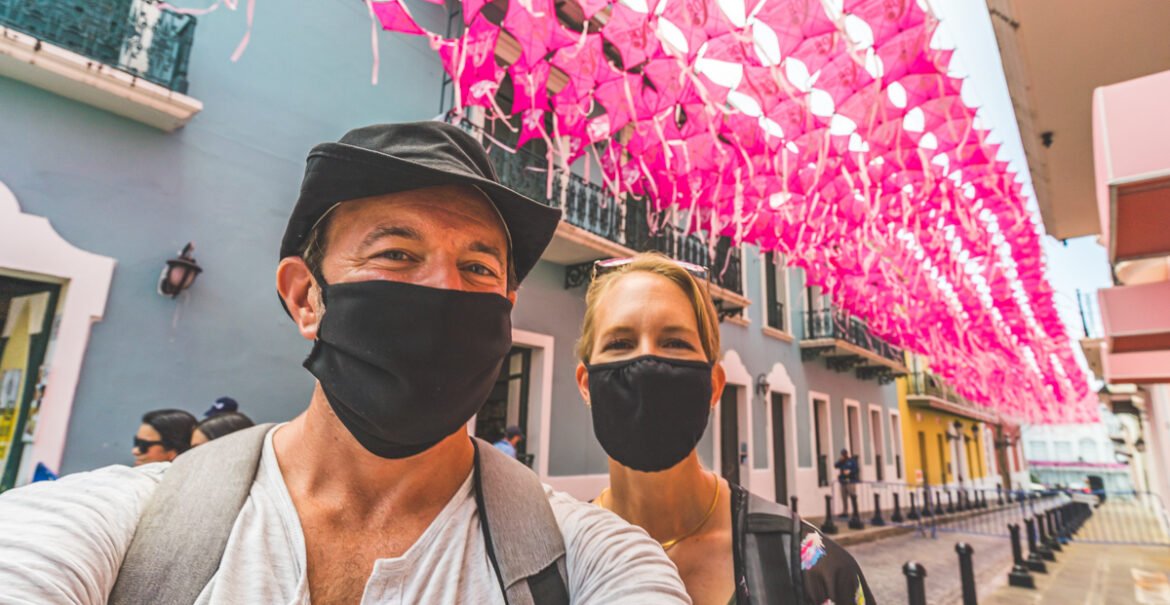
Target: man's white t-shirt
x=63, y=542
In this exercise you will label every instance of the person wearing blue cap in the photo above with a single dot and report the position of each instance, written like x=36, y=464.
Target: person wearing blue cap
x=401, y=263
x=222, y=405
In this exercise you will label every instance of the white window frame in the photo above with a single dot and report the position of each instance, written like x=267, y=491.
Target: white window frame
x=30, y=247
x=813, y=398
x=896, y=446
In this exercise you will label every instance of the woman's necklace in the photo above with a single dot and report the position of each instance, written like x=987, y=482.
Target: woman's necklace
x=667, y=545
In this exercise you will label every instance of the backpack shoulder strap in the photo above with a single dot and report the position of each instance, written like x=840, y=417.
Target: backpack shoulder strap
x=520, y=532
x=184, y=530
x=772, y=553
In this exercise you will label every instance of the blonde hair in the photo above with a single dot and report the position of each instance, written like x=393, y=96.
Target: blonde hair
x=657, y=264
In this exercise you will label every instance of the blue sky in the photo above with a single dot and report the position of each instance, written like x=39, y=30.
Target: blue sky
x=1082, y=263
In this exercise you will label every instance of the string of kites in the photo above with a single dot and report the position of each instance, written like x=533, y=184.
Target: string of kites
x=830, y=131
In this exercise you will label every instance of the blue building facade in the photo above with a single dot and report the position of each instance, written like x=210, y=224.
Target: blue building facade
x=121, y=181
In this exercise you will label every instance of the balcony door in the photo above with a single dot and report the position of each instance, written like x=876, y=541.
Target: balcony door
x=776, y=291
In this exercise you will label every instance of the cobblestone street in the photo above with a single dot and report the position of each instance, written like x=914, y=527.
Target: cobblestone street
x=882, y=563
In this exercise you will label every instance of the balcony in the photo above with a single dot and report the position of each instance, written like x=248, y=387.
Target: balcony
x=846, y=344
x=129, y=58
x=926, y=390
x=595, y=226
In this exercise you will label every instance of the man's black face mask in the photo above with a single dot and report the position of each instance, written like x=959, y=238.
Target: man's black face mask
x=404, y=366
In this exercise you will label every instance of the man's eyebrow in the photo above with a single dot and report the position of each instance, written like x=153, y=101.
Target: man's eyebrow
x=390, y=231
x=487, y=248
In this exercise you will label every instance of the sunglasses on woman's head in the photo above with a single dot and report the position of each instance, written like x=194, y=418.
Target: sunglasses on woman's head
x=602, y=267
x=144, y=445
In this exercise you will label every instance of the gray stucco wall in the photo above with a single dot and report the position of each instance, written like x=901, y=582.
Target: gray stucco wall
x=760, y=351
x=227, y=181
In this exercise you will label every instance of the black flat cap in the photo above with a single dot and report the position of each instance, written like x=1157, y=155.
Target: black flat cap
x=390, y=158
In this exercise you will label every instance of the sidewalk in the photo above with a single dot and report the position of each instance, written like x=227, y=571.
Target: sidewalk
x=1097, y=574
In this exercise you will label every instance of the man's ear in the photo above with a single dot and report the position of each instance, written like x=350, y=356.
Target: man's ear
x=300, y=293
x=583, y=381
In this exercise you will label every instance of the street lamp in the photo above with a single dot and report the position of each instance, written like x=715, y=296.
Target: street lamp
x=179, y=273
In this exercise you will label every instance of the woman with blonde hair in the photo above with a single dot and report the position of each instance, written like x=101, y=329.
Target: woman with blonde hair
x=649, y=371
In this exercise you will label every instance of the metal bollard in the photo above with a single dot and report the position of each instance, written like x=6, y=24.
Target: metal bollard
x=828, y=526
x=1019, y=575
x=915, y=582
x=793, y=504
x=1042, y=539
x=1035, y=560
x=950, y=502
x=1053, y=542
x=999, y=495
x=967, y=572
x=897, y=516
x=855, y=521
x=877, y=520
x=913, y=514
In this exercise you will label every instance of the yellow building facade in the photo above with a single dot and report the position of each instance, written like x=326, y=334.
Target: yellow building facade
x=946, y=441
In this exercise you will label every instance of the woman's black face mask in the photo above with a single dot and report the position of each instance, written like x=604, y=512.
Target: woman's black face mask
x=650, y=412
x=403, y=366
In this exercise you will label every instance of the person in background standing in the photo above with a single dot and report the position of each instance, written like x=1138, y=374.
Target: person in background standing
x=163, y=435
x=847, y=476
x=218, y=425
x=222, y=405
x=512, y=438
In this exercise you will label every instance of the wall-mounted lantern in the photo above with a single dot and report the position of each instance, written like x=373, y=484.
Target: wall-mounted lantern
x=957, y=433
x=762, y=385
x=179, y=273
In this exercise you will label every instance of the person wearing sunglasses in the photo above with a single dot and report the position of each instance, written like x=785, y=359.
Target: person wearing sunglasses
x=649, y=371
x=163, y=435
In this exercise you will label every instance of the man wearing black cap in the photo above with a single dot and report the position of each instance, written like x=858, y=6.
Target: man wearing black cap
x=401, y=262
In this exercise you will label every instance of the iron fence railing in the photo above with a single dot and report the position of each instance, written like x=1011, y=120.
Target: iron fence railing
x=834, y=323
x=927, y=384
x=138, y=37
x=588, y=206
x=1123, y=517
x=776, y=315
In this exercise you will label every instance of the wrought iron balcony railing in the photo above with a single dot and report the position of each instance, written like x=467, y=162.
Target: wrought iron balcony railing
x=588, y=206
x=926, y=384
x=776, y=315
x=139, y=38
x=836, y=324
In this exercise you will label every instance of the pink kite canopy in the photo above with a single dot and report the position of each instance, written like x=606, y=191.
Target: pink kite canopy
x=827, y=130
